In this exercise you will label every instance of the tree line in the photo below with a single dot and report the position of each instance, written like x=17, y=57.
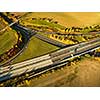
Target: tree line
x=93, y=28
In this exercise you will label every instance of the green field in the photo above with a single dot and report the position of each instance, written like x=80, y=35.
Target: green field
x=35, y=48
x=7, y=40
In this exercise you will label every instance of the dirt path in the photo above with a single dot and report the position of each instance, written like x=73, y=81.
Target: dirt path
x=84, y=73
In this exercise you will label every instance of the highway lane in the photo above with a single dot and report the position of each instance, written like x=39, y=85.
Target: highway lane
x=65, y=50
x=36, y=60
x=24, y=63
x=70, y=54
x=29, y=65
x=55, y=55
x=24, y=67
x=62, y=63
x=48, y=40
x=26, y=35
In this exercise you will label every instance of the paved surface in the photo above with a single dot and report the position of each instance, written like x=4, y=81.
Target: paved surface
x=51, y=41
x=10, y=71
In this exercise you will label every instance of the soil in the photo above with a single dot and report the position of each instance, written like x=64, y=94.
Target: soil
x=84, y=73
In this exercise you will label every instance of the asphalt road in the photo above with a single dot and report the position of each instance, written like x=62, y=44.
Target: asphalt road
x=66, y=53
x=47, y=60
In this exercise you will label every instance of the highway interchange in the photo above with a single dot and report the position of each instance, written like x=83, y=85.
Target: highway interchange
x=48, y=61
x=53, y=58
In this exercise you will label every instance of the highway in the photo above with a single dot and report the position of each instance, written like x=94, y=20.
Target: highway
x=49, y=40
x=23, y=32
x=26, y=35
x=45, y=62
x=49, y=60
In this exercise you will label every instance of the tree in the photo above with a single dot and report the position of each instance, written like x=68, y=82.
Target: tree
x=90, y=27
x=43, y=18
x=50, y=19
x=33, y=18
x=86, y=28
x=66, y=29
x=7, y=13
x=56, y=22
x=56, y=36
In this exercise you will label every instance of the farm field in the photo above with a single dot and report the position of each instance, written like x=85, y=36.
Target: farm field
x=6, y=40
x=6, y=37
x=69, y=18
x=81, y=71
x=84, y=73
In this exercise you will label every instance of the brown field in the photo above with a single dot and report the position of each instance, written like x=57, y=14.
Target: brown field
x=84, y=73
x=70, y=18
